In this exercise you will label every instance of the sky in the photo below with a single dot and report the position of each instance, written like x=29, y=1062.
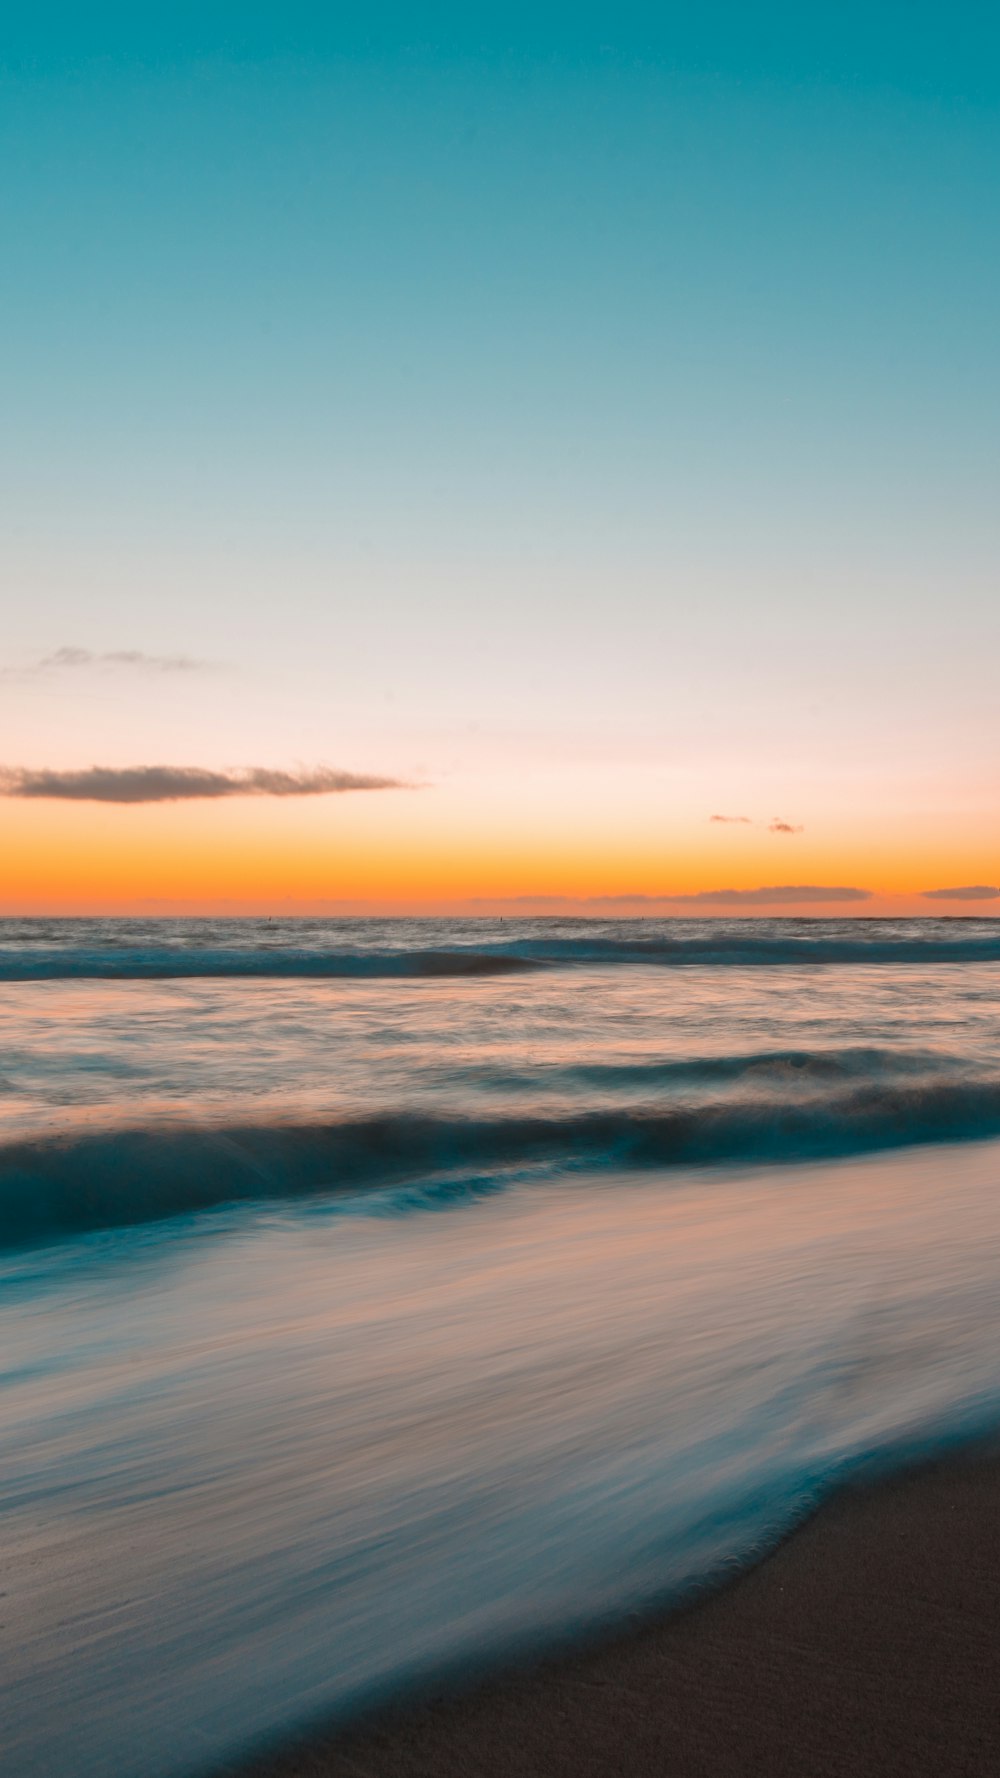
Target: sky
x=451, y=456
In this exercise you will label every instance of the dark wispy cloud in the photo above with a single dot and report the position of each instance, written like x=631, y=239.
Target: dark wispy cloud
x=779, y=826
x=117, y=657
x=732, y=820
x=171, y=784
x=967, y=892
x=774, y=895
x=621, y=901
x=777, y=895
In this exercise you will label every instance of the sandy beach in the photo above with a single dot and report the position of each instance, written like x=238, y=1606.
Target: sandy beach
x=867, y=1645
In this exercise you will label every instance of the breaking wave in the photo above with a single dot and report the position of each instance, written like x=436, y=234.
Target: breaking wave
x=127, y=1175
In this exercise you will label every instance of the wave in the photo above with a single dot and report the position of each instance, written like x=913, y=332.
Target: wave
x=241, y=963
x=127, y=1175
x=791, y=1067
x=730, y=949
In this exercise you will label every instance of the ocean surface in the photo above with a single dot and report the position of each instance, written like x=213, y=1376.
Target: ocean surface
x=379, y=1299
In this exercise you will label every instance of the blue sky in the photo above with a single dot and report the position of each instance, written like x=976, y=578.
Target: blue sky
x=599, y=396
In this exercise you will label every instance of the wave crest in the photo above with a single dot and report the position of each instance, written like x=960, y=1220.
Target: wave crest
x=128, y=1175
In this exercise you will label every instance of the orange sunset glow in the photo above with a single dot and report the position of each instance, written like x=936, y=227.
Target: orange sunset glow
x=440, y=850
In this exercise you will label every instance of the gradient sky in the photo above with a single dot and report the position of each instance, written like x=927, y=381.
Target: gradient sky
x=586, y=418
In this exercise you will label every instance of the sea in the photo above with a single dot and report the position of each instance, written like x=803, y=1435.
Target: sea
x=381, y=1301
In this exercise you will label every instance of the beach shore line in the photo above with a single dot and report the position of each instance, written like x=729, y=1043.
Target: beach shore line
x=866, y=1646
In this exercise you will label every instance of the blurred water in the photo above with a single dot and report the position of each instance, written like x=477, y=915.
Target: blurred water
x=351, y=1328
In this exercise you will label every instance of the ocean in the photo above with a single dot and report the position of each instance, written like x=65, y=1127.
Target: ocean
x=380, y=1300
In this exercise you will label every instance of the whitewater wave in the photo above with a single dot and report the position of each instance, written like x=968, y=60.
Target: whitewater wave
x=127, y=1175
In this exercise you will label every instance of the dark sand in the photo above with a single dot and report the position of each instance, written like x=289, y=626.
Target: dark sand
x=868, y=1646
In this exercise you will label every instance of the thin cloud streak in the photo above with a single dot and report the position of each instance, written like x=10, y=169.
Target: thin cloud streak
x=777, y=894
x=777, y=825
x=171, y=784
x=967, y=892
x=118, y=657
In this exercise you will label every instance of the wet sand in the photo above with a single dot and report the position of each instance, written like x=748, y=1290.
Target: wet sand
x=866, y=1646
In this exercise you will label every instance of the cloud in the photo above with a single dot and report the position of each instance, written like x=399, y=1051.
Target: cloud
x=171, y=784
x=775, y=826
x=777, y=894
x=967, y=892
x=615, y=901
x=118, y=657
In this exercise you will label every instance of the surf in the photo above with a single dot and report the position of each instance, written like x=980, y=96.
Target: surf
x=775, y=1113
x=358, y=950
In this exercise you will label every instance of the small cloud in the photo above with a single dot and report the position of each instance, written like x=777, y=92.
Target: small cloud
x=118, y=657
x=171, y=784
x=71, y=659
x=775, y=826
x=65, y=657
x=778, y=893
x=614, y=901
x=967, y=892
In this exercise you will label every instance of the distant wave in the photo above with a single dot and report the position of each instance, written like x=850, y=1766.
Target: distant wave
x=486, y=957
x=246, y=964
x=789, y=1069
x=127, y=1175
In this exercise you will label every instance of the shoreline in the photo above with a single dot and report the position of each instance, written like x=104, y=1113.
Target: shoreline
x=865, y=1645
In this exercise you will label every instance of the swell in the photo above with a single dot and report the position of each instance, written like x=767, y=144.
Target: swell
x=128, y=1175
